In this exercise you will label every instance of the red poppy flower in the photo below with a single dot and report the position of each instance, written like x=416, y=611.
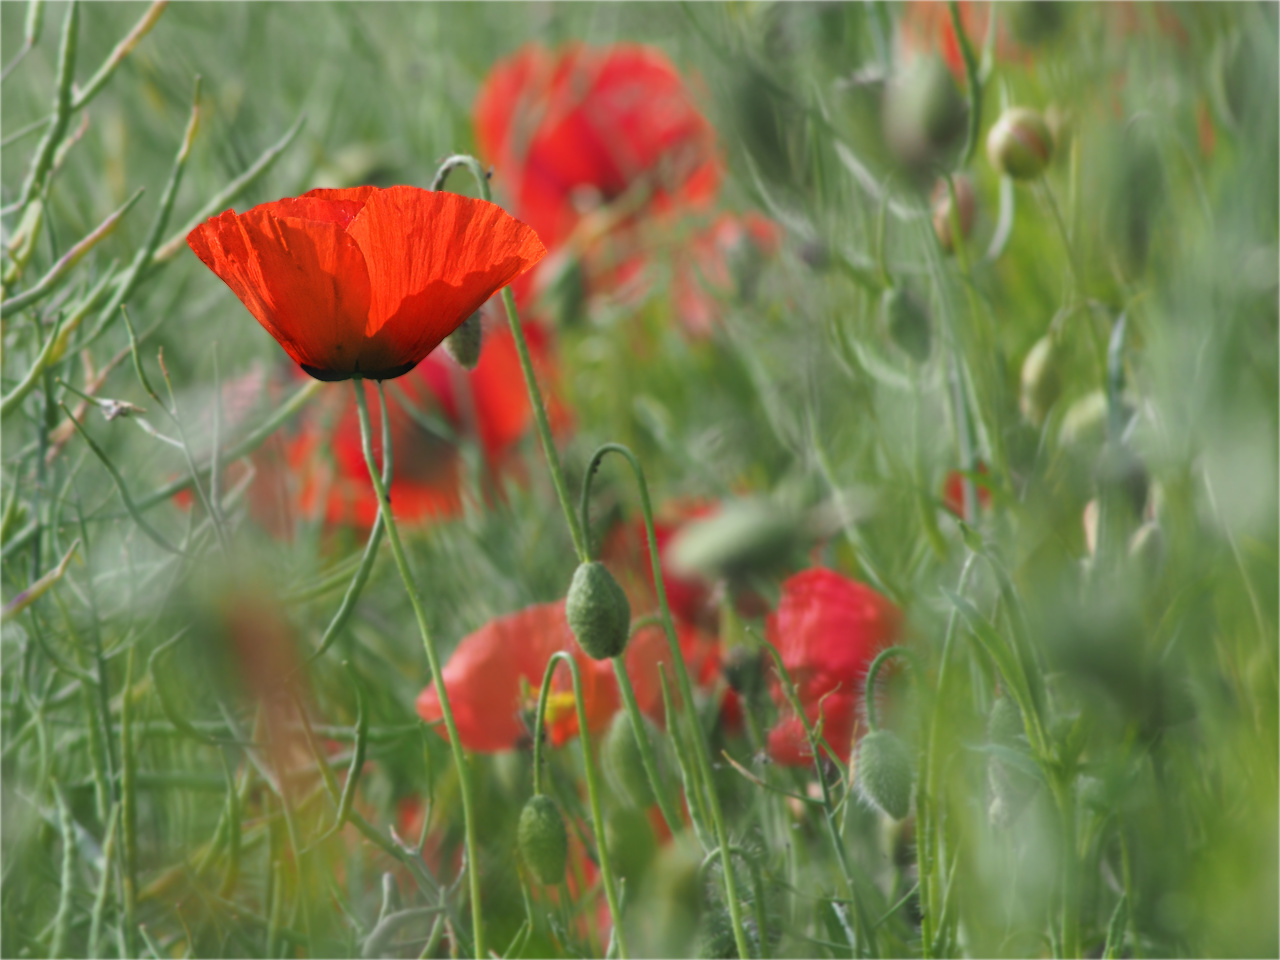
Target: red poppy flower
x=648, y=650
x=365, y=282
x=571, y=130
x=627, y=550
x=953, y=492
x=828, y=629
x=483, y=679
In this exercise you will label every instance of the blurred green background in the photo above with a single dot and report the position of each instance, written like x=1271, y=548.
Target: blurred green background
x=1161, y=678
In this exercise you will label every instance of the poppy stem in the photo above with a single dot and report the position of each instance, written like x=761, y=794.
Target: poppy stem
x=543, y=424
x=701, y=751
x=593, y=785
x=433, y=660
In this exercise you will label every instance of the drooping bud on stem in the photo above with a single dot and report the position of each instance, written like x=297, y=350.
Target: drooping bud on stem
x=541, y=837
x=1020, y=144
x=886, y=773
x=598, y=611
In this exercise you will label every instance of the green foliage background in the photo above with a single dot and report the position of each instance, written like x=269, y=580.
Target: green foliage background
x=1160, y=682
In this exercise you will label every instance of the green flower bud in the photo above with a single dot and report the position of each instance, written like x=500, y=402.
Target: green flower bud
x=465, y=342
x=541, y=836
x=598, y=612
x=623, y=768
x=907, y=322
x=924, y=113
x=1040, y=381
x=886, y=773
x=1020, y=144
x=746, y=536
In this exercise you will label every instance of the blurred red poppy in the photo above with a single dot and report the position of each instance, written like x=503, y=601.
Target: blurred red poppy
x=363, y=281
x=927, y=28
x=953, y=492
x=721, y=262
x=828, y=629
x=571, y=130
x=483, y=679
x=490, y=402
x=627, y=549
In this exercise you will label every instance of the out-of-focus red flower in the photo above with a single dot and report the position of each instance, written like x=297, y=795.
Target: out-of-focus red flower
x=927, y=28
x=627, y=549
x=731, y=245
x=570, y=130
x=491, y=402
x=649, y=650
x=362, y=281
x=953, y=492
x=828, y=629
x=483, y=679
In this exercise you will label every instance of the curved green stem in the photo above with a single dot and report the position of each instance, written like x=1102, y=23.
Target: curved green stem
x=433, y=660
x=540, y=418
x=593, y=784
x=701, y=751
x=972, y=80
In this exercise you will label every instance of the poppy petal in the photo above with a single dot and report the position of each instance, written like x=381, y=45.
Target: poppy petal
x=434, y=258
x=305, y=281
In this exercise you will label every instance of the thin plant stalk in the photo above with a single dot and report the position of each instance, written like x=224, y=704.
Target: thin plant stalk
x=433, y=660
x=593, y=785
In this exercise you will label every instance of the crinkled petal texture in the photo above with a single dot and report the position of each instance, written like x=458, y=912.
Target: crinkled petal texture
x=365, y=281
x=828, y=629
x=483, y=679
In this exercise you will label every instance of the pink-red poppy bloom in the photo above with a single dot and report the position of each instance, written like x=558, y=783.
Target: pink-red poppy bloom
x=953, y=492
x=571, y=130
x=484, y=676
x=362, y=281
x=828, y=629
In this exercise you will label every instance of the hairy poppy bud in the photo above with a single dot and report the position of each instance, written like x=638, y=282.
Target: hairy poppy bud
x=541, y=836
x=623, y=768
x=598, y=611
x=885, y=773
x=966, y=209
x=1020, y=144
x=1040, y=381
x=465, y=342
x=907, y=322
x=924, y=112
x=745, y=536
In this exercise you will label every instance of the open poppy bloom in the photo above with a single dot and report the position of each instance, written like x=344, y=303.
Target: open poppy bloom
x=572, y=130
x=483, y=679
x=828, y=629
x=365, y=282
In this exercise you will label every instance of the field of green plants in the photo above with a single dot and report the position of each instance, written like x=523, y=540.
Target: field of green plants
x=694, y=479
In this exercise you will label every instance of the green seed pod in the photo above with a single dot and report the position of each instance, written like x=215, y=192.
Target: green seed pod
x=465, y=342
x=924, y=113
x=598, y=611
x=541, y=836
x=1040, y=381
x=746, y=536
x=885, y=773
x=907, y=322
x=1020, y=144
x=620, y=757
